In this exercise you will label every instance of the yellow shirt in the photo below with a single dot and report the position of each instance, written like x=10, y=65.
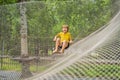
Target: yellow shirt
x=64, y=36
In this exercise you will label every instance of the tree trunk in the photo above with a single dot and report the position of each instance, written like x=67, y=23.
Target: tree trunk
x=24, y=46
x=25, y=60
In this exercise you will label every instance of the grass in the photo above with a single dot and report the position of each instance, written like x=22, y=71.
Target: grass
x=35, y=68
x=104, y=70
x=101, y=70
x=8, y=64
x=12, y=65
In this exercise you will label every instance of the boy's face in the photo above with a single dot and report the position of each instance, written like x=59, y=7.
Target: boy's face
x=64, y=29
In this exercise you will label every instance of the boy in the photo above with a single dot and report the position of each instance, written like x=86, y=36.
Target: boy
x=62, y=39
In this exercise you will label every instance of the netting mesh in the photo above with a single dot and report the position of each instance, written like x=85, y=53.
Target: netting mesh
x=95, y=57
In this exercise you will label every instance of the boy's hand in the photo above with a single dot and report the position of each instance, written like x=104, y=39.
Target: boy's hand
x=71, y=42
x=54, y=39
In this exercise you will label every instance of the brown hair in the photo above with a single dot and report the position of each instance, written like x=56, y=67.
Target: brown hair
x=66, y=26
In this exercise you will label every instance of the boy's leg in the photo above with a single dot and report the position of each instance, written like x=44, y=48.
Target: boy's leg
x=64, y=45
x=57, y=43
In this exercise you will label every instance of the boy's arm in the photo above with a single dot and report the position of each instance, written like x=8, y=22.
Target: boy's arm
x=71, y=41
x=56, y=37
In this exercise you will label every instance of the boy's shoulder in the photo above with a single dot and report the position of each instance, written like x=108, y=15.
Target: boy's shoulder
x=68, y=32
x=60, y=33
x=63, y=33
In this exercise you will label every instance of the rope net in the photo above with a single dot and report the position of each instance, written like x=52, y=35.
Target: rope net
x=95, y=57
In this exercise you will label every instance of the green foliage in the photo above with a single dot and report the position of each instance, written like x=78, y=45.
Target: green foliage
x=45, y=18
x=3, y=2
